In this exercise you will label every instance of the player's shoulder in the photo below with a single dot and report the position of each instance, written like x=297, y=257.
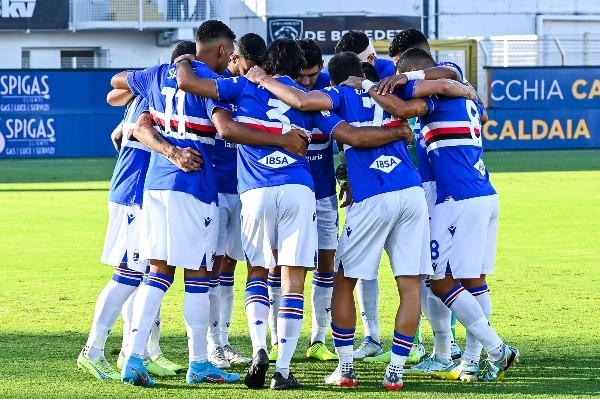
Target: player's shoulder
x=203, y=71
x=290, y=82
x=323, y=80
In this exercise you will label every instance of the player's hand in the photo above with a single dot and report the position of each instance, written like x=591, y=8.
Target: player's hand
x=345, y=195
x=353, y=81
x=405, y=133
x=116, y=137
x=296, y=142
x=186, y=159
x=256, y=74
x=472, y=94
x=388, y=84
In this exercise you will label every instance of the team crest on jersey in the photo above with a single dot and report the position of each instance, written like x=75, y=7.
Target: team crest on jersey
x=277, y=160
x=385, y=163
x=480, y=166
x=286, y=28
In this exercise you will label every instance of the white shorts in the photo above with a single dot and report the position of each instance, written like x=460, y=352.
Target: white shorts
x=327, y=222
x=230, y=227
x=281, y=218
x=463, y=237
x=179, y=228
x=430, y=195
x=122, y=240
x=393, y=221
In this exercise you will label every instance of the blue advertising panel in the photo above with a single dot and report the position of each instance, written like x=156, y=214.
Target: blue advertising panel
x=54, y=113
x=509, y=129
x=546, y=87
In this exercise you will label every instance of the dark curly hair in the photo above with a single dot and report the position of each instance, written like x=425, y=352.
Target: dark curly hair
x=343, y=65
x=211, y=30
x=252, y=47
x=284, y=57
x=355, y=41
x=183, y=47
x=370, y=72
x=312, y=52
x=408, y=38
x=414, y=58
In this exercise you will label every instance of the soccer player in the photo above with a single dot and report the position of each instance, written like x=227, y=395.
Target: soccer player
x=320, y=156
x=278, y=202
x=179, y=215
x=122, y=239
x=359, y=43
x=464, y=225
x=249, y=51
x=352, y=105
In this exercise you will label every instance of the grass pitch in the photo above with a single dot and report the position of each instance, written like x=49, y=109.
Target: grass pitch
x=546, y=291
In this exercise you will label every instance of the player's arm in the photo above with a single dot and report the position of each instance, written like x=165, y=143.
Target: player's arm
x=119, y=81
x=186, y=159
x=295, y=141
x=119, y=97
x=370, y=136
x=390, y=83
x=188, y=81
x=117, y=136
x=304, y=101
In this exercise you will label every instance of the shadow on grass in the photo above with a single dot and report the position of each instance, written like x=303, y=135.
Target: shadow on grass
x=53, y=357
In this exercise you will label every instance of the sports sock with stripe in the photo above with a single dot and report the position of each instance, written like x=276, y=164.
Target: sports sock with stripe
x=146, y=304
x=343, y=340
x=473, y=347
x=257, y=312
x=322, y=288
x=289, y=324
x=108, y=307
x=196, y=309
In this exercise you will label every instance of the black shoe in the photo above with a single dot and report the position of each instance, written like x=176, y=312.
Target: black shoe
x=279, y=383
x=258, y=370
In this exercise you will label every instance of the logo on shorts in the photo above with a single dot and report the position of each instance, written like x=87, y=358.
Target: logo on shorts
x=277, y=160
x=327, y=310
x=348, y=231
x=286, y=28
x=385, y=163
x=136, y=256
x=452, y=230
x=434, y=265
x=207, y=221
x=480, y=166
x=314, y=216
x=215, y=323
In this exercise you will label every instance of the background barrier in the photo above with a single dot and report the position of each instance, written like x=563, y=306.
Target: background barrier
x=55, y=113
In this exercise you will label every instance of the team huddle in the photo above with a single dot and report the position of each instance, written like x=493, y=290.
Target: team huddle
x=227, y=155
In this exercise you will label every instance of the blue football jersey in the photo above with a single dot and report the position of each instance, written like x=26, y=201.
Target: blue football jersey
x=372, y=171
x=266, y=166
x=320, y=153
x=127, y=183
x=452, y=134
x=183, y=120
x=225, y=158
x=384, y=67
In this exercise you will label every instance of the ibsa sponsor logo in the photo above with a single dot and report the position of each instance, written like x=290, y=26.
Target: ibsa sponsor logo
x=27, y=136
x=385, y=163
x=17, y=8
x=277, y=160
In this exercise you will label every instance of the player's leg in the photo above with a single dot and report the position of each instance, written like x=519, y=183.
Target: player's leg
x=274, y=289
x=322, y=282
x=467, y=261
x=108, y=305
x=403, y=246
x=367, y=292
x=258, y=242
x=358, y=255
x=296, y=249
x=216, y=354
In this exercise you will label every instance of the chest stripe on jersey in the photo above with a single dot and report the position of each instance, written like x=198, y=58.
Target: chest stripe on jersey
x=450, y=133
x=190, y=127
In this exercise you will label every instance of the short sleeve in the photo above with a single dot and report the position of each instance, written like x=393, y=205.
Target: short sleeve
x=431, y=103
x=453, y=66
x=140, y=81
x=326, y=121
x=229, y=89
x=335, y=95
x=211, y=105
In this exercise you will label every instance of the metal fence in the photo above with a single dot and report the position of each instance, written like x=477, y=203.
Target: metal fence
x=144, y=14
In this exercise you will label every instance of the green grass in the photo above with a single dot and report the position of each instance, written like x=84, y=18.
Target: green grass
x=545, y=291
